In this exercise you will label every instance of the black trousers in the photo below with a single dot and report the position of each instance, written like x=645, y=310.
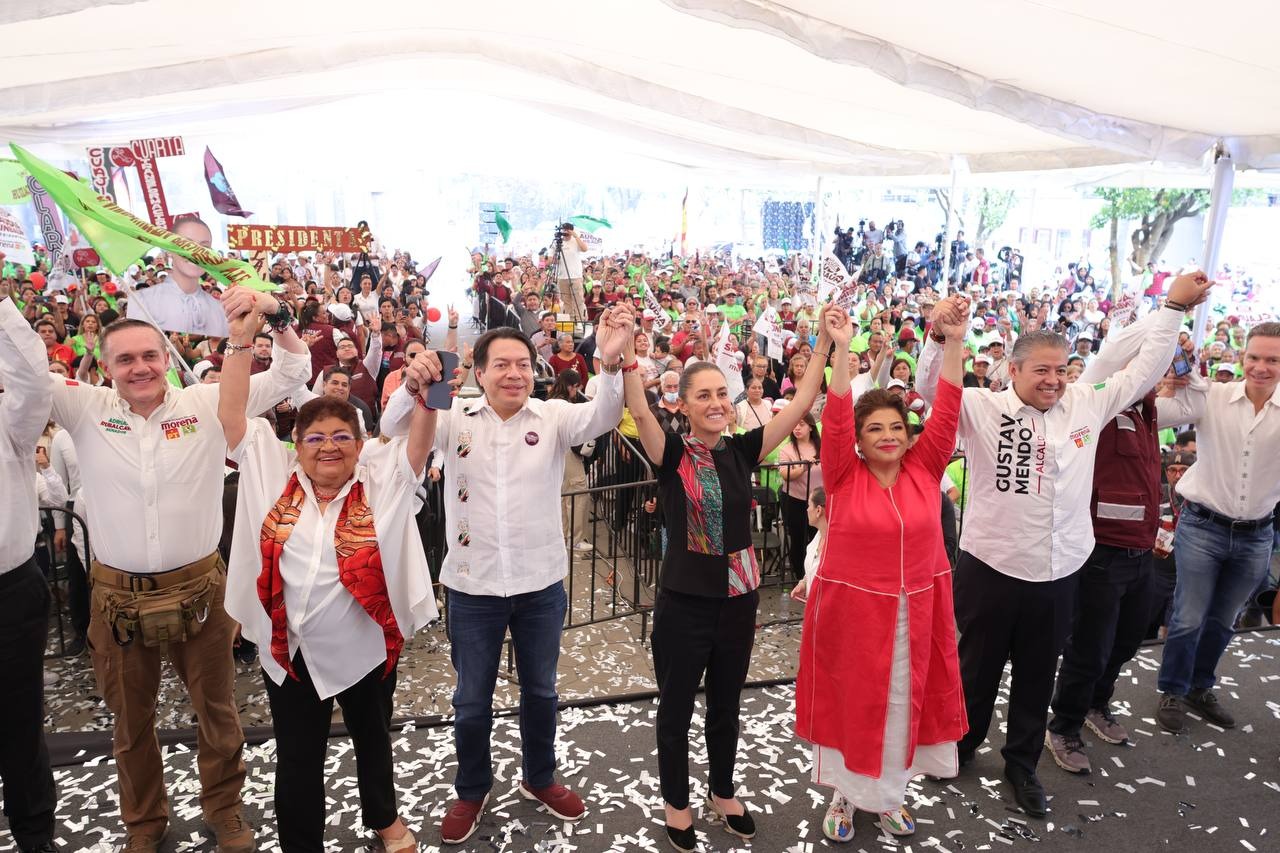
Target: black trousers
x=1001, y=619
x=692, y=635
x=300, y=720
x=29, y=794
x=795, y=519
x=1113, y=607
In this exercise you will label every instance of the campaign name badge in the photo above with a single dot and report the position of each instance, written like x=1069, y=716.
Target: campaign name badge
x=464, y=444
x=531, y=438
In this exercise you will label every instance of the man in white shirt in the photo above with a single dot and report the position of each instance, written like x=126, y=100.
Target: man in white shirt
x=569, y=272
x=151, y=466
x=179, y=303
x=503, y=460
x=29, y=794
x=1223, y=542
x=366, y=301
x=1028, y=531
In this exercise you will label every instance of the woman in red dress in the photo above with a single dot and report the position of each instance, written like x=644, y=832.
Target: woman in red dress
x=879, y=693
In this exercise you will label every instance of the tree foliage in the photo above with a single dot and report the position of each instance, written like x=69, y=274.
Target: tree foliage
x=1154, y=212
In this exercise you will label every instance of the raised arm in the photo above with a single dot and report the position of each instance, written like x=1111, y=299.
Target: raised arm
x=936, y=444
x=1142, y=373
x=243, y=320
x=785, y=421
x=424, y=370
x=290, y=362
x=24, y=372
x=373, y=351
x=604, y=411
x=652, y=437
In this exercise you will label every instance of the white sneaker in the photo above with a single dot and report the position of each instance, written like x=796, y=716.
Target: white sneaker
x=838, y=822
x=897, y=822
x=583, y=547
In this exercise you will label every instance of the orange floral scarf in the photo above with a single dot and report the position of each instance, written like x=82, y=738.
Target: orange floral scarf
x=359, y=568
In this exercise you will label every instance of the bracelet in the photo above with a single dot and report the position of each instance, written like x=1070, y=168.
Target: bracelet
x=1177, y=306
x=230, y=349
x=611, y=369
x=632, y=366
x=453, y=327
x=937, y=338
x=282, y=319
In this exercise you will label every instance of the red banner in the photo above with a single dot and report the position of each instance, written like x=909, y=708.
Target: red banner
x=143, y=154
x=297, y=238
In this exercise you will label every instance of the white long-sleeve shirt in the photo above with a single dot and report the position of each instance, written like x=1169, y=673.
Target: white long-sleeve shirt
x=51, y=492
x=1031, y=472
x=1237, y=468
x=24, y=412
x=154, y=485
x=62, y=456
x=502, y=485
x=339, y=640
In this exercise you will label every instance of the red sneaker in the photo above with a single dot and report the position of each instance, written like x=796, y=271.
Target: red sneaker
x=558, y=799
x=462, y=819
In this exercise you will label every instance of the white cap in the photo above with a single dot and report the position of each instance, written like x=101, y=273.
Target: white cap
x=200, y=368
x=1226, y=367
x=895, y=383
x=340, y=311
x=984, y=359
x=61, y=299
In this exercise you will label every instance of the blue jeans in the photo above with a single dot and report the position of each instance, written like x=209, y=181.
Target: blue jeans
x=1218, y=569
x=477, y=626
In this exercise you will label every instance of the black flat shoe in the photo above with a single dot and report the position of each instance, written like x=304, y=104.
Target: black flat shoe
x=1028, y=793
x=685, y=840
x=740, y=825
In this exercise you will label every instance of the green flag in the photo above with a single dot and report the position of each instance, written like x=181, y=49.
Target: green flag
x=13, y=183
x=504, y=227
x=120, y=237
x=589, y=223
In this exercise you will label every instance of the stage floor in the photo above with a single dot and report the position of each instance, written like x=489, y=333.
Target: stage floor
x=1206, y=790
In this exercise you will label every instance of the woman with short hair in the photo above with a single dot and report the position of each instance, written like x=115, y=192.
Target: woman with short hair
x=878, y=693
x=328, y=577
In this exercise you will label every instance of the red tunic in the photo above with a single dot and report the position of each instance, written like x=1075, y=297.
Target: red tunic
x=880, y=542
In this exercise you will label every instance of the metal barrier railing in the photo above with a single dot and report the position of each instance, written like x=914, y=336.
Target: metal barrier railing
x=66, y=572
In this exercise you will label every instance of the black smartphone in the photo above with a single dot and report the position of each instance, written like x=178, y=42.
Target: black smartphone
x=439, y=394
x=1181, y=364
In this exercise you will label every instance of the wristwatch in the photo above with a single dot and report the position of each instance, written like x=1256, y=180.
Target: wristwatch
x=611, y=368
x=280, y=320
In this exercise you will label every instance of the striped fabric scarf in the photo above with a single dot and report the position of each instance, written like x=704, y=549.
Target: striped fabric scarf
x=359, y=568
x=704, y=515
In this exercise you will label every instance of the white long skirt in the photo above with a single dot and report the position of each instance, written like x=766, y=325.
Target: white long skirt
x=887, y=791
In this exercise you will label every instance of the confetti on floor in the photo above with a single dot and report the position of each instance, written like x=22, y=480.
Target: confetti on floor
x=1188, y=792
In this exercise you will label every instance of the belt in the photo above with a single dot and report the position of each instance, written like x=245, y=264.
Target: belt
x=118, y=579
x=1227, y=522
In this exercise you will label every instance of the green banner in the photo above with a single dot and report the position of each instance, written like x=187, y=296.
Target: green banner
x=120, y=237
x=589, y=223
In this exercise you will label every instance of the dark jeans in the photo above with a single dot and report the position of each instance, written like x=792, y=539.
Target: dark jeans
x=692, y=635
x=795, y=519
x=477, y=626
x=1001, y=618
x=1218, y=570
x=1113, y=606
x=300, y=721
x=29, y=795
x=1164, y=578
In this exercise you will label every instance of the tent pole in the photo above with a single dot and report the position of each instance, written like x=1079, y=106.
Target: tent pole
x=952, y=201
x=1224, y=175
x=818, y=233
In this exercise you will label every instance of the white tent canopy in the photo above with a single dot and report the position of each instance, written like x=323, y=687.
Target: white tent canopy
x=794, y=89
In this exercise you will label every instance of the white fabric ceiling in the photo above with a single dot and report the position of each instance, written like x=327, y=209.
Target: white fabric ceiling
x=795, y=88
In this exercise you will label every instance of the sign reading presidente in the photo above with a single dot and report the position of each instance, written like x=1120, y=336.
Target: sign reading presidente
x=297, y=238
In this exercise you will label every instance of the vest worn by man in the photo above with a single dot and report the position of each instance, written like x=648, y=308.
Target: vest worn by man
x=1126, y=479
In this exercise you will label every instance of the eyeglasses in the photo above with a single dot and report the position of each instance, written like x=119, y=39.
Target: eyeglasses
x=315, y=440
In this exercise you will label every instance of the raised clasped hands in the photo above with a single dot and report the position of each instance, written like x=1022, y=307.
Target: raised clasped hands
x=1190, y=288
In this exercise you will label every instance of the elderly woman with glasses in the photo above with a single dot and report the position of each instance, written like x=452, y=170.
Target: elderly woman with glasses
x=328, y=575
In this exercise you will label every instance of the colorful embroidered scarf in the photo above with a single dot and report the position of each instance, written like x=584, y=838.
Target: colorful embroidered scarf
x=359, y=568
x=704, y=515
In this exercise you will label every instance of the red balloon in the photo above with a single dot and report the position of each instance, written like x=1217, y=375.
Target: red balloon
x=433, y=314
